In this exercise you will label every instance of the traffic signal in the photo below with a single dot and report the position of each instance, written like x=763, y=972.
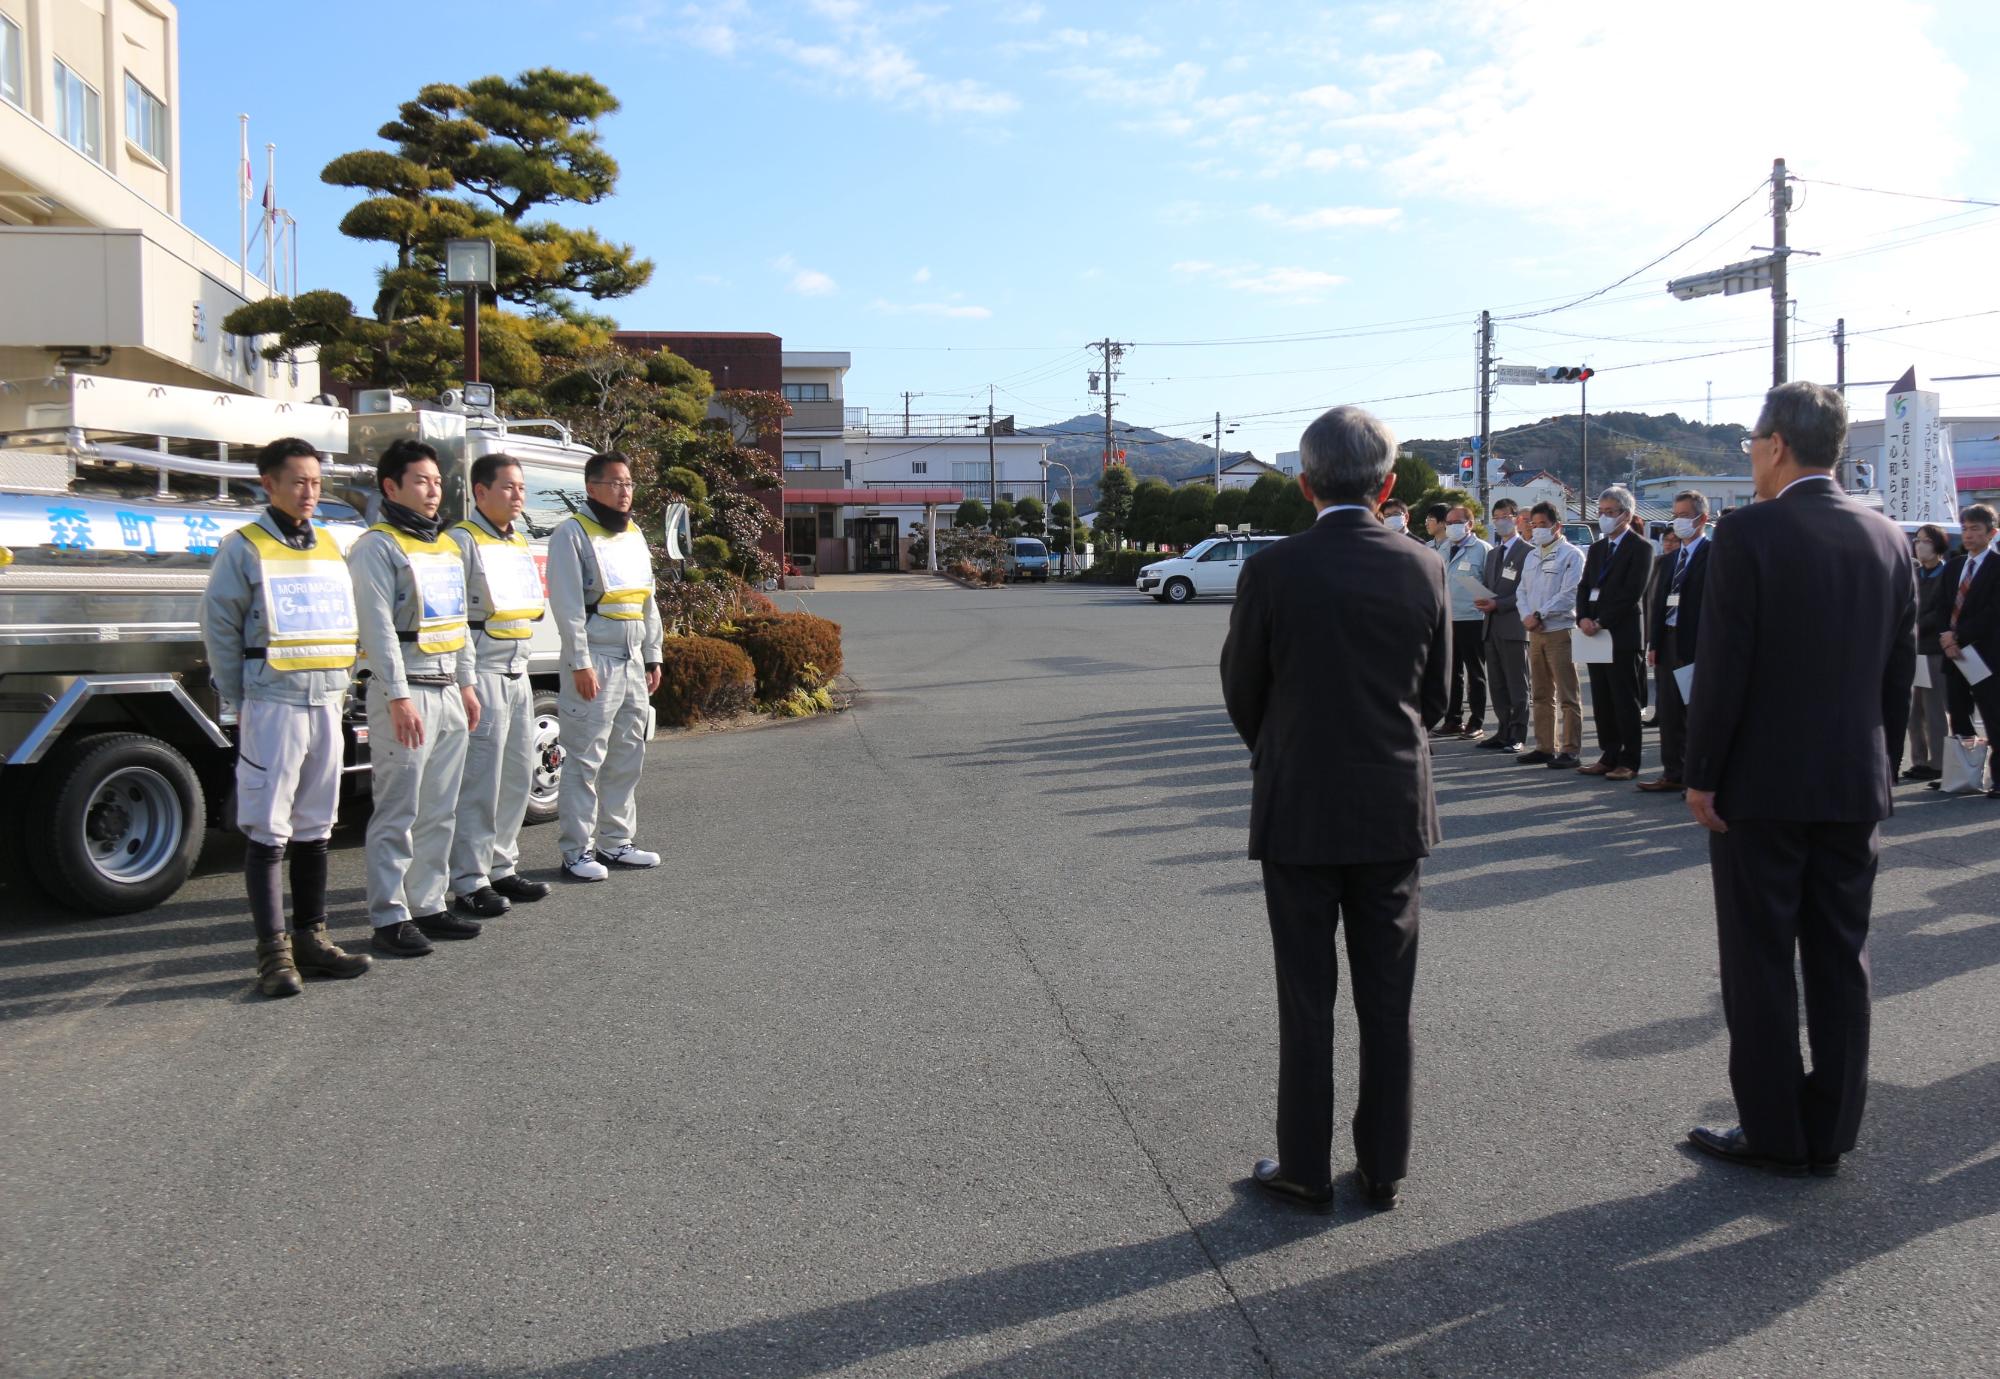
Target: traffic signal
x=1566, y=374
x=1465, y=464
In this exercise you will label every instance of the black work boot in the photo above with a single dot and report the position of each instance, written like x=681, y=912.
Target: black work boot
x=319, y=956
x=276, y=976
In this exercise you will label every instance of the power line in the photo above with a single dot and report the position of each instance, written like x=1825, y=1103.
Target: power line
x=1590, y=296
x=1908, y=196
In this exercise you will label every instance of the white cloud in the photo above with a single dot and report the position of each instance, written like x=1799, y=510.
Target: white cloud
x=1329, y=217
x=807, y=282
x=1022, y=14
x=922, y=275
x=954, y=311
x=1178, y=83
x=1299, y=284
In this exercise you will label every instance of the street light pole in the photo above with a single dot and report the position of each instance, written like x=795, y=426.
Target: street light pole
x=1069, y=530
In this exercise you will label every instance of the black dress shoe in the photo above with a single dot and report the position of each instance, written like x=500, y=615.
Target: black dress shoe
x=402, y=940
x=1824, y=1168
x=520, y=888
x=1732, y=1147
x=1565, y=761
x=1448, y=730
x=445, y=924
x=1535, y=758
x=1272, y=1181
x=1381, y=1196
x=485, y=902
x=1496, y=743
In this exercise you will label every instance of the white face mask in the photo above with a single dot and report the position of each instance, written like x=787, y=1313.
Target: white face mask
x=1545, y=536
x=1926, y=551
x=1395, y=521
x=1684, y=528
x=1456, y=532
x=1503, y=527
x=1608, y=523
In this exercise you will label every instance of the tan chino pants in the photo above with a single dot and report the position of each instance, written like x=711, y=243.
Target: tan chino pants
x=1554, y=677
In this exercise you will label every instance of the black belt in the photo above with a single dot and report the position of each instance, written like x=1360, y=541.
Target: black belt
x=253, y=653
x=436, y=680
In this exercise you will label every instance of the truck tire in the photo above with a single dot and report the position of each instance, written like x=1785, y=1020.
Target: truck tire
x=1179, y=590
x=548, y=760
x=121, y=825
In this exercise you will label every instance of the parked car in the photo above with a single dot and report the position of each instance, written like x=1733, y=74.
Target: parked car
x=1025, y=558
x=1209, y=569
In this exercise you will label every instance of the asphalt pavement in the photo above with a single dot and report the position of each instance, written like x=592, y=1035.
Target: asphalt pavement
x=942, y=1045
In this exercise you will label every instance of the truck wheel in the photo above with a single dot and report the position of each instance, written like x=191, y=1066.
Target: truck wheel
x=1179, y=591
x=547, y=758
x=122, y=824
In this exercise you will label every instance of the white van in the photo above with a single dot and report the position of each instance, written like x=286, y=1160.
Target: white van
x=1208, y=570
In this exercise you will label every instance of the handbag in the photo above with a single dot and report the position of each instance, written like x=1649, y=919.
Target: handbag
x=1964, y=766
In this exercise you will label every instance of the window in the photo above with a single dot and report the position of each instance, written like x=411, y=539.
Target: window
x=1222, y=550
x=146, y=121
x=802, y=459
x=10, y=60
x=970, y=472
x=808, y=392
x=920, y=466
x=79, y=113
x=553, y=494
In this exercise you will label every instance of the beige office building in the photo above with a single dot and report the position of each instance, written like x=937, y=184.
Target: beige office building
x=96, y=266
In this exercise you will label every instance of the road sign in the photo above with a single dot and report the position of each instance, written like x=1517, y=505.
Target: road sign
x=1507, y=375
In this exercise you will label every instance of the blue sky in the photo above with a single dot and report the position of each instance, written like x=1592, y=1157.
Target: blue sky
x=966, y=193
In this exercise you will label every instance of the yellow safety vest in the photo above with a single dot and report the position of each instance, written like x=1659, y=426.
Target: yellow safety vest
x=514, y=594
x=309, y=617
x=624, y=570
x=439, y=572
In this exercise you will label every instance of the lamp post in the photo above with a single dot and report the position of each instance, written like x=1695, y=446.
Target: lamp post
x=1069, y=531
x=468, y=263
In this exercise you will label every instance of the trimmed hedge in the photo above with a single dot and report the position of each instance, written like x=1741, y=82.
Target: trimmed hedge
x=703, y=677
x=1122, y=567
x=787, y=649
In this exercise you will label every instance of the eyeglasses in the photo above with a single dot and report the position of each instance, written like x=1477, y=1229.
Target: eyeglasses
x=1753, y=437
x=620, y=485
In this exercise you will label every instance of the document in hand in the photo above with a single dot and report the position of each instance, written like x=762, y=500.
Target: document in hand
x=1593, y=650
x=1972, y=667
x=1684, y=681
x=1471, y=585
x=1923, y=680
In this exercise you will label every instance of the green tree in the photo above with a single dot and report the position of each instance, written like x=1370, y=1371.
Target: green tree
x=1029, y=516
x=717, y=468
x=1262, y=497
x=1414, y=478
x=1450, y=497
x=1192, y=514
x=1001, y=519
x=1228, y=509
x=1152, y=511
x=1291, y=510
x=612, y=399
x=1114, y=502
x=509, y=149
x=971, y=513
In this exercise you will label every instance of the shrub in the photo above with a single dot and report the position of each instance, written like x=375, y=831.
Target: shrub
x=790, y=651
x=1121, y=567
x=703, y=677
x=710, y=552
x=752, y=603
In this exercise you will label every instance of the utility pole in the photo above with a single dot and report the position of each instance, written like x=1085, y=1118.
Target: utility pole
x=992, y=470
x=1781, y=202
x=906, y=411
x=1113, y=352
x=1840, y=355
x=1709, y=416
x=1585, y=395
x=1480, y=459
x=1218, y=452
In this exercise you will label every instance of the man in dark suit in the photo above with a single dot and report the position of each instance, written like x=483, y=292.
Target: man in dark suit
x=1337, y=661
x=1506, y=639
x=1967, y=618
x=1676, y=624
x=1802, y=690
x=1615, y=572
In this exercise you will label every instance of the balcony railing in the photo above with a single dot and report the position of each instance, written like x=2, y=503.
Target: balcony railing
x=816, y=416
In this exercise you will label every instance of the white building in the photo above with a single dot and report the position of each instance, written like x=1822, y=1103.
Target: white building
x=94, y=259
x=1288, y=462
x=1723, y=491
x=815, y=449
x=1530, y=489
x=1243, y=471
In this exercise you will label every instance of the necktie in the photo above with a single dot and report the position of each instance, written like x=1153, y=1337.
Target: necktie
x=1964, y=583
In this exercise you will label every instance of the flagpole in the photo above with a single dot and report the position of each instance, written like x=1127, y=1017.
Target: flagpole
x=243, y=211
x=270, y=220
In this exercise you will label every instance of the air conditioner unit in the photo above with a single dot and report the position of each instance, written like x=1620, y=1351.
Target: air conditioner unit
x=374, y=401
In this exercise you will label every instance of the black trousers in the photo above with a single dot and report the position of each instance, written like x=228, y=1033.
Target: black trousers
x=1614, y=701
x=1468, y=673
x=1787, y=890
x=1377, y=904
x=1961, y=699
x=1670, y=716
